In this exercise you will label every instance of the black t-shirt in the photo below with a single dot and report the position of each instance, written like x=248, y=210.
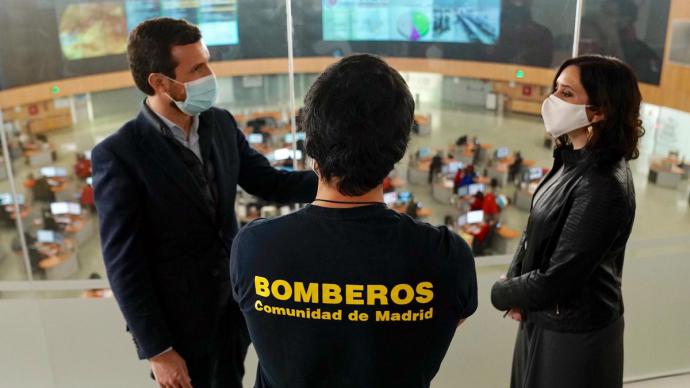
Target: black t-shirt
x=359, y=297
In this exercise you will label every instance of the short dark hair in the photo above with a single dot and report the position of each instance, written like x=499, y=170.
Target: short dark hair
x=149, y=48
x=612, y=88
x=358, y=117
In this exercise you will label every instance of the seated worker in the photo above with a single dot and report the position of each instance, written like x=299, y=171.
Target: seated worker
x=457, y=180
x=490, y=206
x=461, y=141
x=483, y=235
x=412, y=209
x=82, y=168
x=515, y=168
x=468, y=176
x=436, y=166
x=478, y=203
x=350, y=293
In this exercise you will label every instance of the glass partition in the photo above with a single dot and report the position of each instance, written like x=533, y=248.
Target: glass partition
x=462, y=149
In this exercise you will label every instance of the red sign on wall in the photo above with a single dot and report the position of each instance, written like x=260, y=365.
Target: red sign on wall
x=526, y=90
x=33, y=110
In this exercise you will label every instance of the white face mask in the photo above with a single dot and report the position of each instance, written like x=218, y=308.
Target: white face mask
x=561, y=117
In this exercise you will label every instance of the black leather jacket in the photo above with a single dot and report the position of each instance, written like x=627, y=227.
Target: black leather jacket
x=566, y=273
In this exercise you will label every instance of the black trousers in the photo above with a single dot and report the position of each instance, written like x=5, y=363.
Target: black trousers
x=548, y=359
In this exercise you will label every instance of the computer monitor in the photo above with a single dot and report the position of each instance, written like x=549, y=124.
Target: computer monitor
x=475, y=217
x=463, y=191
x=285, y=168
x=74, y=209
x=300, y=136
x=286, y=153
x=390, y=198
x=453, y=167
x=502, y=152
x=48, y=236
x=404, y=196
x=473, y=189
x=8, y=199
x=255, y=138
x=62, y=208
x=424, y=152
x=89, y=181
x=535, y=173
x=87, y=154
x=462, y=220
x=53, y=172
x=281, y=154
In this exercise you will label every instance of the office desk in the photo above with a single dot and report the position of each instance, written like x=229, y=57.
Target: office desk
x=24, y=211
x=500, y=169
x=465, y=154
x=62, y=260
x=60, y=266
x=64, y=192
x=423, y=123
x=665, y=176
x=523, y=199
x=503, y=236
x=80, y=228
x=39, y=157
x=418, y=173
x=443, y=191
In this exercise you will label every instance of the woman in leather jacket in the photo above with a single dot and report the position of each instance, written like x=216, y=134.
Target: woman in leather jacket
x=564, y=283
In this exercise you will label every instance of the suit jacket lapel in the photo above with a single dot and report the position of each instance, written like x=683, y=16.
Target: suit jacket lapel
x=210, y=137
x=156, y=146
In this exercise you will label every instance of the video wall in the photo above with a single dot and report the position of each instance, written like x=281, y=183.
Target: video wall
x=45, y=40
x=457, y=21
x=89, y=30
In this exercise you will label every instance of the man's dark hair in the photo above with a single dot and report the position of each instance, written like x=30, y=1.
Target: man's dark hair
x=149, y=48
x=358, y=117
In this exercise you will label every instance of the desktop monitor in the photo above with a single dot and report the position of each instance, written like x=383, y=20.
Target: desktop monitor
x=89, y=181
x=502, y=152
x=424, y=152
x=475, y=217
x=87, y=154
x=285, y=168
x=62, y=208
x=462, y=220
x=463, y=191
x=300, y=136
x=8, y=199
x=473, y=189
x=390, y=198
x=74, y=209
x=535, y=173
x=286, y=153
x=53, y=172
x=405, y=196
x=48, y=236
x=281, y=154
x=255, y=138
x=453, y=167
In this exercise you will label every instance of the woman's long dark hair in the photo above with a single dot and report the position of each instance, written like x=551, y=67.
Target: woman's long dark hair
x=613, y=90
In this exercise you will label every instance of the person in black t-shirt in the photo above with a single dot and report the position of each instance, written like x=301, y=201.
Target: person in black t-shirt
x=346, y=292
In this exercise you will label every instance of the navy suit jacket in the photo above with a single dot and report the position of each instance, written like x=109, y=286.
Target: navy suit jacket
x=166, y=255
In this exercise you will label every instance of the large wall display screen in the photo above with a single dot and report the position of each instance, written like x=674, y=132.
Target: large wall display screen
x=89, y=30
x=452, y=21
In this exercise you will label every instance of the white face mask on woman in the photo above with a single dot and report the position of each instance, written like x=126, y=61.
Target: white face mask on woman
x=561, y=117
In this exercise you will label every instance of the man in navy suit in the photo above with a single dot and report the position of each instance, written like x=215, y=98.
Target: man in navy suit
x=165, y=187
